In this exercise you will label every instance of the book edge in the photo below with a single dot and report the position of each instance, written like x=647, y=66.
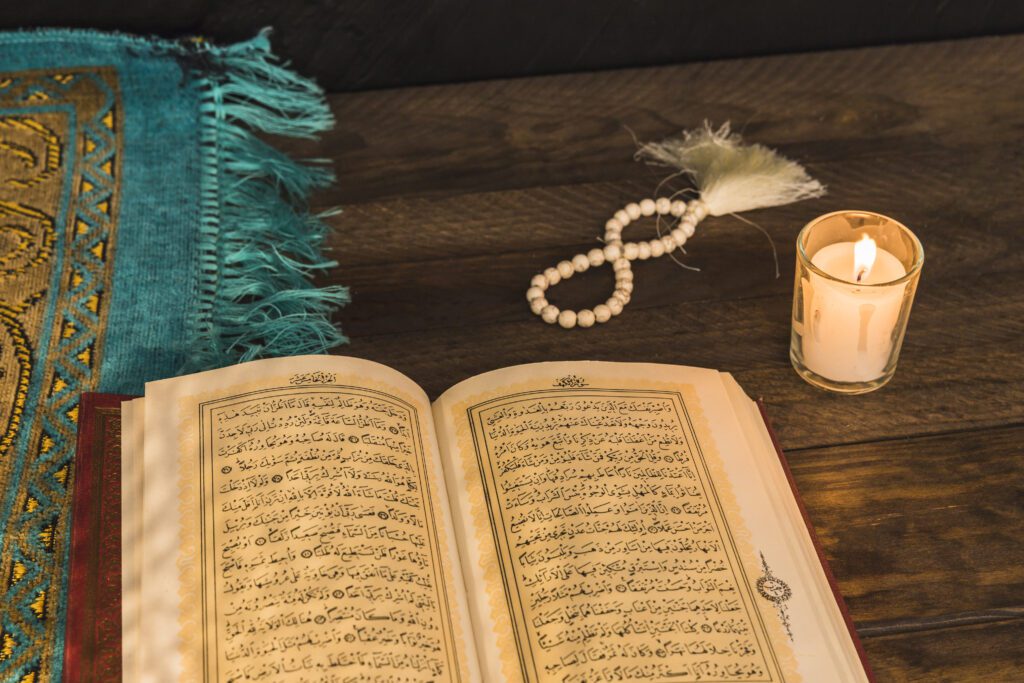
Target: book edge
x=819, y=551
x=78, y=620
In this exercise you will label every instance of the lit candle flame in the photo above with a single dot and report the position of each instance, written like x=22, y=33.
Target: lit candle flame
x=864, y=253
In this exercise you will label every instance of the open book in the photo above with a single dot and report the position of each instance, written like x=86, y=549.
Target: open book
x=317, y=519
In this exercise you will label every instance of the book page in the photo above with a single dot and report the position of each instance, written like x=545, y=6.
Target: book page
x=297, y=529
x=132, y=440
x=602, y=535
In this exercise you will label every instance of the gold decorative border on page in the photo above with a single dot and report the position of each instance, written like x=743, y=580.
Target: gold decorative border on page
x=191, y=607
x=748, y=555
x=502, y=626
x=190, y=604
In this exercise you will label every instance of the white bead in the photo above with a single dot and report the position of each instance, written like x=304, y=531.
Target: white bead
x=624, y=275
x=626, y=287
x=586, y=318
x=679, y=236
x=534, y=293
x=611, y=237
x=657, y=248
x=613, y=225
x=631, y=251
x=700, y=211
x=614, y=305
x=644, y=251
x=669, y=242
x=552, y=276
x=549, y=314
x=678, y=208
x=611, y=252
x=602, y=313
x=689, y=228
x=580, y=263
x=647, y=207
x=567, y=319
x=622, y=296
x=539, y=281
x=538, y=305
x=596, y=257
x=622, y=217
x=620, y=265
x=662, y=206
x=633, y=209
x=565, y=269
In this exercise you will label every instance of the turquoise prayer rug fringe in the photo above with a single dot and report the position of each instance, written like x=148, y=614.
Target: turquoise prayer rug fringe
x=259, y=243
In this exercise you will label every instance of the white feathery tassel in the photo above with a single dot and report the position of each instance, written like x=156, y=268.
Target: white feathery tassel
x=733, y=177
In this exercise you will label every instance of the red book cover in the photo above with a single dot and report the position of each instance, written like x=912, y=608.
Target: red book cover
x=817, y=547
x=92, y=650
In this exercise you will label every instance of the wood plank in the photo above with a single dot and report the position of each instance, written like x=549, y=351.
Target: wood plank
x=992, y=652
x=742, y=333
x=969, y=214
x=474, y=255
x=959, y=367
x=873, y=103
x=918, y=528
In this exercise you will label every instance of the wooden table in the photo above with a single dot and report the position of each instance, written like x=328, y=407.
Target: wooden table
x=454, y=196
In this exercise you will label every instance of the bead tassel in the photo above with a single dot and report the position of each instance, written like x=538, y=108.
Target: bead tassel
x=618, y=254
x=731, y=176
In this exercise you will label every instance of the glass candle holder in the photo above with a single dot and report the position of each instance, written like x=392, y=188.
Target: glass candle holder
x=856, y=275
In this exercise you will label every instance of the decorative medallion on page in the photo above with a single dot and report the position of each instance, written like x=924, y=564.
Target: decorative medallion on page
x=776, y=591
x=325, y=517
x=60, y=145
x=620, y=545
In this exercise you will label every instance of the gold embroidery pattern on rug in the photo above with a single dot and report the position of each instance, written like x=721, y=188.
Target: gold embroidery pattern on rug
x=60, y=138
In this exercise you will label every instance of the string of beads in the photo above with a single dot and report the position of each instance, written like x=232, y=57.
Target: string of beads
x=619, y=255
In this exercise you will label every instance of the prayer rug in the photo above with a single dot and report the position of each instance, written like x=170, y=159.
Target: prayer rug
x=145, y=229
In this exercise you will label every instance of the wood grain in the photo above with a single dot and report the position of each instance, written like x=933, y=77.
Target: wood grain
x=527, y=231
x=904, y=520
x=890, y=105
x=983, y=652
x=957, y=370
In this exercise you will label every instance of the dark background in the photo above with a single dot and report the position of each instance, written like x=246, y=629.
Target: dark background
x=365, y=44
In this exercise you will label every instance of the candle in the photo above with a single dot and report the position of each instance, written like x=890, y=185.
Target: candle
x=850, y=335
x=856, y=276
